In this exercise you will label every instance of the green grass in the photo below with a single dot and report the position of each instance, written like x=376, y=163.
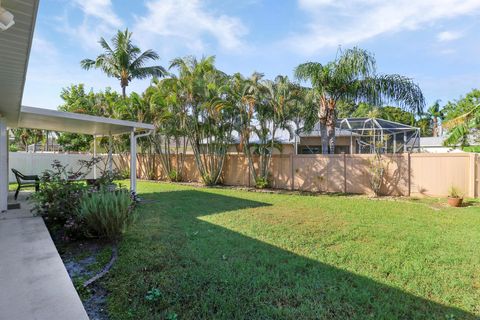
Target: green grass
x=228, y=254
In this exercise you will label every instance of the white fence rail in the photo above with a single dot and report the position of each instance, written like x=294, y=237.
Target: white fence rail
x=36, y=163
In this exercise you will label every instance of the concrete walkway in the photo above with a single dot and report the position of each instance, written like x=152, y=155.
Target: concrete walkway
x=34, y=283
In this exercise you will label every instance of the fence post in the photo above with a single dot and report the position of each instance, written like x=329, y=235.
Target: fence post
x=249, y=172
x=472, y=176
x=477, y=175
x=409, y=161
x=344, y=172
x=292, y=173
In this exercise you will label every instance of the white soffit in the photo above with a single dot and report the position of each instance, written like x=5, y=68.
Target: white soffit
x=15, y=44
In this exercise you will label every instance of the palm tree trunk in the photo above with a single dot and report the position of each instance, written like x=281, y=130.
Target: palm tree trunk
x=331, y=122
x=435, y=127
x=322, y=121
x=124, y=93
x=331, y=138
x=324, y=137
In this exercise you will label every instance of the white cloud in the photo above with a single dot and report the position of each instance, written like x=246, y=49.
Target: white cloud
x=189, y=23
x=99, y=20
x=101, y=9
x=449, y=36
x=344, y=22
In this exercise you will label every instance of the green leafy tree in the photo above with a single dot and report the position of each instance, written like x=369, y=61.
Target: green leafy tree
x=24, y=137
x=77, y=100
x=395, y=114
x=462, y=120
x=352, y=77
x=106, y=103
x=124, y=61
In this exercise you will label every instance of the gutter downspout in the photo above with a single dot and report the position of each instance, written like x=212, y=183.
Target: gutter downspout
x=133, y=158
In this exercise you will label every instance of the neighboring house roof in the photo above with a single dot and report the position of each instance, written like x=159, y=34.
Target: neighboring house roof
x=338, y=133
x=437, y=142
x=431, y=141
x=281, y=136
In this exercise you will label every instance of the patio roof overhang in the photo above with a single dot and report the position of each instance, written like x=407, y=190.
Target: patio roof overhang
x=14, y=53
x=53, y=120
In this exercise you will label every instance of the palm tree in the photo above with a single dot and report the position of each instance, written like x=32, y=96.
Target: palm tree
x=243, y=95
x=124, y=61
x=208, y=126
x=352, y=77
x=280, y=104
x=169, y=119
x=435, y=113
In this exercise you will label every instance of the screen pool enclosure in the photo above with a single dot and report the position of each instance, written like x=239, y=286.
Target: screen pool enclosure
x=371, y=135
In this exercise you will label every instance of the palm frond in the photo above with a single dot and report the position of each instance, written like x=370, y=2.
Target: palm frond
x=383, y=89
x=87, y=64
x=145, y=72
x=354, y=63
x=143, y=58
x=309, y=71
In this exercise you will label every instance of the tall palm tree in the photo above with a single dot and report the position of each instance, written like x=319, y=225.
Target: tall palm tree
x=352, y=77
x=435, y=113
x=208, y=126
x=124, y=61
x=243, y=95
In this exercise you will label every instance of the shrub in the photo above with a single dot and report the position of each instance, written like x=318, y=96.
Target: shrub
x=105, y=213
x=59, y=196
x=61, y=192
x=262, y=183
x=174, y=176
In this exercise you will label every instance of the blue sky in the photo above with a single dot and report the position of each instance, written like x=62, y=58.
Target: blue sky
x=435, y=42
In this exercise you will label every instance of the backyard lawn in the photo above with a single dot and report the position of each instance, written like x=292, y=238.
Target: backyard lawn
x=227, y=254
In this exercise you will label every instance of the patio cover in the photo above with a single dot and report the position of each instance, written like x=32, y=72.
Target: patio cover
x=46, y=119
x=39, y=118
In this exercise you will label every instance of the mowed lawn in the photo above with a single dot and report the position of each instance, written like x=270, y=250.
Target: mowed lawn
x=229, y=254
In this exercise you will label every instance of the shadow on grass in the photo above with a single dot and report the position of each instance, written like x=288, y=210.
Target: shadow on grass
x=204, y=271
x=470, y=203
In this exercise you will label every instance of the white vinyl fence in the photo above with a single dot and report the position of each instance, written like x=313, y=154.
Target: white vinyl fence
x=35, y=163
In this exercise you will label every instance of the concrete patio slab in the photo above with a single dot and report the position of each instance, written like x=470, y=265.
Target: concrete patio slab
x=33, y=280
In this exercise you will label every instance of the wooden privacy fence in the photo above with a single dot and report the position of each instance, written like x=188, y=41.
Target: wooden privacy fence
x=416, y=174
